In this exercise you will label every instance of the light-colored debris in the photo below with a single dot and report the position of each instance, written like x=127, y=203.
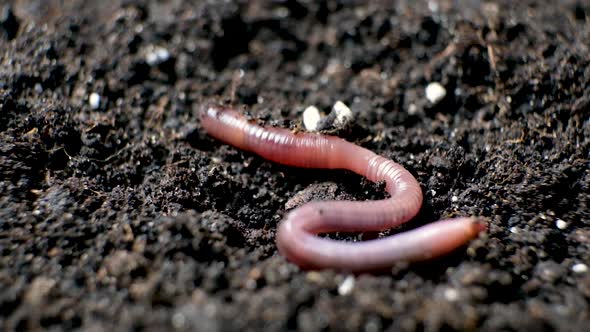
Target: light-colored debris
x=346, y=286
x=343, y=114
x=94, y=100
x=580, y=268
x=560, y=224
x=435, y=92
x=157, y=55
x=311, y=118
x=451, y=294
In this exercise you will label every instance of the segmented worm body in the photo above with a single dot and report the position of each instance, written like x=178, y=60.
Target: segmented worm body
x=296, y=235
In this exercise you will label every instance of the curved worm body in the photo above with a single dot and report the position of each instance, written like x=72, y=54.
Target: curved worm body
x=296, y=235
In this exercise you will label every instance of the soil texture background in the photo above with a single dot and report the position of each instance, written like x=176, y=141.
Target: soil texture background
x=118, y=212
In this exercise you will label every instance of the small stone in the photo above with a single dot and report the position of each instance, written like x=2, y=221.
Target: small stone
x=157, y=55
x=308, y=70
x=454, y=199
x=94, y=100
x=311, y=118
x=580, y=268
x=435, y=92
x=560, y=224
x=433, y=6
x=343, y=114
x=39, y=290
x=339, y=118
x=549, y=272
x=151, y=58
x=451, y=294
x=314, y=277
x=122, y=262
x=514, y=230
x=346, y=286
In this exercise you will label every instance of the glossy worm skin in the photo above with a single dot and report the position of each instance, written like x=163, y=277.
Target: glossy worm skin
x=296, y=235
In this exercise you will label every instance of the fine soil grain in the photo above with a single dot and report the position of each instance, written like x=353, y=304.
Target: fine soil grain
x=118, y=212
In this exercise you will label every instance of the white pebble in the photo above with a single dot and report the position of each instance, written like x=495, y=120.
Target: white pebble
x=435, y=92
x=451, y=294
x=514, y=230
x=560, y=224
x=433, y=6
x=94, y=100
x=151, y=58
x=311, y=118
x=38, y=88
x=163, y=54
x=346, y=286
x=454, y=199
x=343, y=114
x=308, y=70
x=580, y=268
x=157, y=56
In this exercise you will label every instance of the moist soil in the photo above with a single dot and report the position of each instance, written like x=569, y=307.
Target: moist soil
x=118, y=212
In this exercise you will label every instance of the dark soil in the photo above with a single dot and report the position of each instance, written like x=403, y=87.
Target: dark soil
x=127, y=216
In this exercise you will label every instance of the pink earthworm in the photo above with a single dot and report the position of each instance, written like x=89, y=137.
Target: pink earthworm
x=297, y=234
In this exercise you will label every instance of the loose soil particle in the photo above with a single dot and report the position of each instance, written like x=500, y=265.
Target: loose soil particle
x=122, y=214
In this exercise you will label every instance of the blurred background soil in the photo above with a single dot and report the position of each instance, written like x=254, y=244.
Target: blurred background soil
x=117, y=212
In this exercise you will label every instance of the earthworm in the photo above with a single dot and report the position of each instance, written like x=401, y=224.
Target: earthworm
x=297, y=233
